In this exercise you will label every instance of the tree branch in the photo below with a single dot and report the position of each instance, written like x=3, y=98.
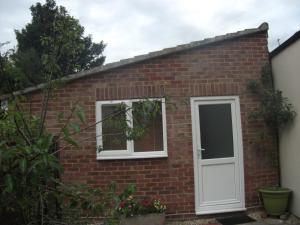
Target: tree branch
x=45, y=105
x=22, y=133
x=85, y=139
x=110, y=115
x=67, y=121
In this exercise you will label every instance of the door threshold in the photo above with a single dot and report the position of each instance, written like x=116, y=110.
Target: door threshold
x=219, y=211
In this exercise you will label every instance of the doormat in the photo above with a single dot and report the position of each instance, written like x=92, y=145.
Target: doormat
x=235, y=220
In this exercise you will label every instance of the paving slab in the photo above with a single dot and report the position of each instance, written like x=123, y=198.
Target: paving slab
x=254, y=223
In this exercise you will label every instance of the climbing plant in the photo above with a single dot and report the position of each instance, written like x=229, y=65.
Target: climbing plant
x=275, y=109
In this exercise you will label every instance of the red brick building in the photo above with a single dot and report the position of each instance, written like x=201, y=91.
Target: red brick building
x=202, y=156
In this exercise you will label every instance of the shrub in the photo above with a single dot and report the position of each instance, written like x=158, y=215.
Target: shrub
x=275, y=109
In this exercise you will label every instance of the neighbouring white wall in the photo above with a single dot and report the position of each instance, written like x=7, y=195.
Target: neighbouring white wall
x=286, y=70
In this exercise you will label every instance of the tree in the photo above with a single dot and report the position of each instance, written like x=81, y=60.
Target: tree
x=30, y=188
x=75, y=52
x=31, y=191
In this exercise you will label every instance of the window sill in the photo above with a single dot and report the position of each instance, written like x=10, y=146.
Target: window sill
x=133, y=156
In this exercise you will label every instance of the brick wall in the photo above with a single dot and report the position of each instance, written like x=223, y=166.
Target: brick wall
x=215, y=70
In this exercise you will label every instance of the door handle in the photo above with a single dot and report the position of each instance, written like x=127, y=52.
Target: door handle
x=199, y=150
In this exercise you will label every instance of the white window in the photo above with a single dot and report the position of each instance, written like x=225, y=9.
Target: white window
x=112, y=138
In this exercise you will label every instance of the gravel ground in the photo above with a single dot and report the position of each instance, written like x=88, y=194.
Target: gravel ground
x=287, y=219
x=259, y=216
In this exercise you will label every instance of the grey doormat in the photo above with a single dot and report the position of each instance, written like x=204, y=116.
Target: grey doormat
x=235, y=220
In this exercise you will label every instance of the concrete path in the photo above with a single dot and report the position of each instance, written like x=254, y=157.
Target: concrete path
x=291, y=220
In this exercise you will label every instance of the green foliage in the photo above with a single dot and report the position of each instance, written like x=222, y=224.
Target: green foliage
x=30, y=188
x=275, y=109
x=26, y=170
x=10, y=76
x=53, y=39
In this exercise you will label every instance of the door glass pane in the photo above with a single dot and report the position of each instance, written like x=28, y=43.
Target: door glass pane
x=216, y=131
x=152, y=136
x=114, y=127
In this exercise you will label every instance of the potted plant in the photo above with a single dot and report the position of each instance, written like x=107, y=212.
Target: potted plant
x=146, y=211
x=275, y=199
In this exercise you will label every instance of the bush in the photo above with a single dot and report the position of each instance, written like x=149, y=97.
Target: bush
x=30, y=188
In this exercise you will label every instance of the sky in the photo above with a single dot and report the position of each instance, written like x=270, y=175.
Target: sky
x=134, y=27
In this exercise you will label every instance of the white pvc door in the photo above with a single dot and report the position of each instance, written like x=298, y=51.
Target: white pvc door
x=218, y=155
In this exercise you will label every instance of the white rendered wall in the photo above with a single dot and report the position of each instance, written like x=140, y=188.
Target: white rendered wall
x=286, y=71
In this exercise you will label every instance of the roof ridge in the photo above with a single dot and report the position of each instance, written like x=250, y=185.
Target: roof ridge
x=263, y=27
x=166, y=51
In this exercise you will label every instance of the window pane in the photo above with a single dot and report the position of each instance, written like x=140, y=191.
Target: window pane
x=113, y=127
x=216, y=131
x=152, y=127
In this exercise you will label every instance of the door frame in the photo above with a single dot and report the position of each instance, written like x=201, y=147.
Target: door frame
x=210, y=100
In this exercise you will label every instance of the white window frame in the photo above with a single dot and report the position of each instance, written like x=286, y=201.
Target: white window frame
x=129, y=152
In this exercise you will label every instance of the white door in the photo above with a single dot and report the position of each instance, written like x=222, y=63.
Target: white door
x=218, y=155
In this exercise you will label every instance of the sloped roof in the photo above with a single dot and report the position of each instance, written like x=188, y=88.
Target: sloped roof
x=167, y=51
x=285, y=44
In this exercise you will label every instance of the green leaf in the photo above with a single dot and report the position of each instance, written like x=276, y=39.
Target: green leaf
x=60, y=116
x=23, y=165
x=71, y=141
x=75, y=127
x=66, y=132
x=45, y=142
x=56, y=165
x=80, y=113
x=45, y=159
x=8, y=183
